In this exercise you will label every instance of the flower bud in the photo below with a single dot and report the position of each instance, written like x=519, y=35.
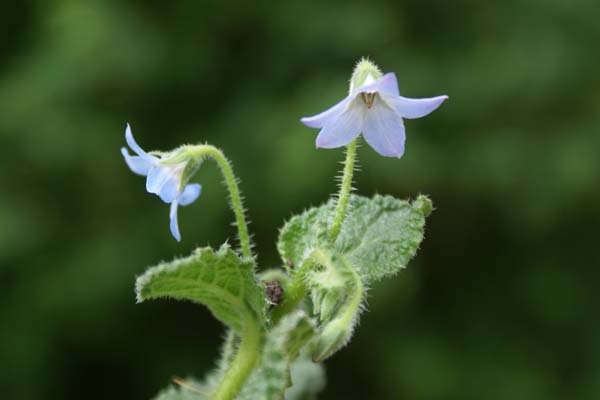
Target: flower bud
x=333, y=337
x=423, y=204
x=365, y=73
x=337, y=294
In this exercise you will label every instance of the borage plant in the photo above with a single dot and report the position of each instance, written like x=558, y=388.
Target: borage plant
x=283, y=323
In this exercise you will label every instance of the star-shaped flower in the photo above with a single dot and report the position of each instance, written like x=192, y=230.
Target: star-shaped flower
x=165, y=178
x=374, y=108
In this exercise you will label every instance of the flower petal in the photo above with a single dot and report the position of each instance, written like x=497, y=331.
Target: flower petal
x=384, y=130
x=136, y=148
x=190, y=194
x=174, y=224
x=164, y=181
x=341, y=130
x=414, y=108
x=137, y=164
x=321, y=119
x=387, y=84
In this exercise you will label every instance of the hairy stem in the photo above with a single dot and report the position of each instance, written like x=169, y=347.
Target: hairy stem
x=295, y=292
x=345, y=189
x=235, y=198
x=242, y=365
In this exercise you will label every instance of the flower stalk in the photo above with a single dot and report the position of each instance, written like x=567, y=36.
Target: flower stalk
x=235, y=199
x=345, y=189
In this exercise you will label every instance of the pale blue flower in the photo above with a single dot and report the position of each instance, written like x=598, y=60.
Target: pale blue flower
x=376, y=109
x=163, y=178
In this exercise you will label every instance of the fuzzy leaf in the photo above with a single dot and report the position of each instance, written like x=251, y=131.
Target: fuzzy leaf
x=219, y=280
x=379, y=235
x=304, y=232
x=282, y=346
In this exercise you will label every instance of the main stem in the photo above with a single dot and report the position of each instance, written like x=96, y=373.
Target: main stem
x=234, y=192
x=242, y=365
x=345, y=189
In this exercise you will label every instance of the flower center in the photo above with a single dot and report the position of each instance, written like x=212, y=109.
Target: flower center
x=368, y=98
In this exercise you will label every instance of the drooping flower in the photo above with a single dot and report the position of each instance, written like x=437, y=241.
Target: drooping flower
x=373, y=107
x=165, y=178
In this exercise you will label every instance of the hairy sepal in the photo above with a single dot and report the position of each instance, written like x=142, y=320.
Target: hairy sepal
x=338, y=294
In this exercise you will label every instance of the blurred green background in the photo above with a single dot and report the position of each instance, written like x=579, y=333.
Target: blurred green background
x=502, y=300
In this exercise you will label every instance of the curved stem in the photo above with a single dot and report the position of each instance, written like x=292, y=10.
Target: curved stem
x=242, y=365
x=235, y=198
x=345, y=188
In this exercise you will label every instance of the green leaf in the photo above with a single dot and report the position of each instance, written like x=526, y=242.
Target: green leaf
x=303, y=233
x=379, y=235
x=219, y=280
x=282, y=346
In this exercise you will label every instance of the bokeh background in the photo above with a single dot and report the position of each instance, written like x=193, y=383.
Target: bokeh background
x=501, y=302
